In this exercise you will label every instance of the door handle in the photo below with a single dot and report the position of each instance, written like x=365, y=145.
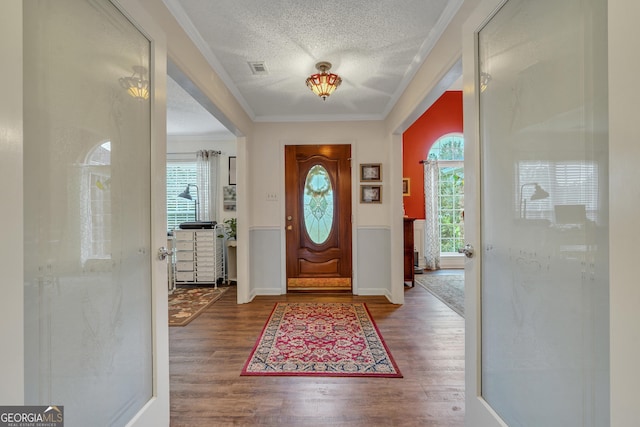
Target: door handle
x=289, y=227
x=467, y=250
x=163, y=253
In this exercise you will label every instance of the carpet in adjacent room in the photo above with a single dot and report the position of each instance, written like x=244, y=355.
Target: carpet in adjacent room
x=448, y=288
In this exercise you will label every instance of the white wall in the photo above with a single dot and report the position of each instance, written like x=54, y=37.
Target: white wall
x=185, y=147
x=370, y=143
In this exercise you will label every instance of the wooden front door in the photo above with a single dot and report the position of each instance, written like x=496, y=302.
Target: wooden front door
x=318, y=217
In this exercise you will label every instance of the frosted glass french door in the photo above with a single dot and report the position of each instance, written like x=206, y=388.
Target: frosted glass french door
x=87, y=226
x=542, y=263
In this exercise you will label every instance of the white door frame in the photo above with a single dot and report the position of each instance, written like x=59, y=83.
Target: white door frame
x=11, y=188
x=477, y=410
x=156, y=412
x=624, y=230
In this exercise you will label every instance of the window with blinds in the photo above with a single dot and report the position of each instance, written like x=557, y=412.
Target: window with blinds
x=572, y=188
x=179, y=210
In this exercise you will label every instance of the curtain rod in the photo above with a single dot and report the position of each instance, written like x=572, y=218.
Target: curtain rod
x=196, y=152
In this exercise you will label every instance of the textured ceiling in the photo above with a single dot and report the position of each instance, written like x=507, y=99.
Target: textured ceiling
x=376, y=46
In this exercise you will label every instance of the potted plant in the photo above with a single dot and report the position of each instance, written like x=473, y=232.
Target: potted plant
x=230, y=226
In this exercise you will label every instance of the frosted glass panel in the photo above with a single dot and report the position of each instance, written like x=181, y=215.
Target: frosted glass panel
x=545, y=306
x=87, y=213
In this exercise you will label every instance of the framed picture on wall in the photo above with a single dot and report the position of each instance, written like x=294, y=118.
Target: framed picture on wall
x=406, y=187
x=370, y=172
x=229, y=198
x=232, y=170
x=371, y=194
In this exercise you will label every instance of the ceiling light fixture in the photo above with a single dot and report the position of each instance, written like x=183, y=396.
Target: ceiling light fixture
x=137, y=85
x=323, y=84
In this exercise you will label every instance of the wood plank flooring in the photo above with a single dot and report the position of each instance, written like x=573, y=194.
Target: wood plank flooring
x=425, y=337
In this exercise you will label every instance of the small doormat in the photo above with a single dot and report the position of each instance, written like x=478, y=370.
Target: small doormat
x=185, y=304
x=321, y=339
x=319, y=284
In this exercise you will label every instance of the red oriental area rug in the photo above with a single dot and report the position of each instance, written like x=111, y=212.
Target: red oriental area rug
x=321, y=339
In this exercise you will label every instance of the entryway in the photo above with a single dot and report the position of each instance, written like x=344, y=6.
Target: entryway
x=318, y=217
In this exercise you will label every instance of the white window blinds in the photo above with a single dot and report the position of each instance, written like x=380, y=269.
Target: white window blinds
x=568, y=183
x=179, y=175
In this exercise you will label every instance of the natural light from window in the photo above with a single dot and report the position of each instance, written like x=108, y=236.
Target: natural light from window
x=179, y=210
x=96, y=204
x=318, y=204
x=449, y=151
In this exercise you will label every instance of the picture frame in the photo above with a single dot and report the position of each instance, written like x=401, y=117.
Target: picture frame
x=406, y=186
x=229, y=198
x=370, y=172
x=371, y=194
x=232, y=170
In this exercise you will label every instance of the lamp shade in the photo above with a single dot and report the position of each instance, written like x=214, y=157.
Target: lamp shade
x=539, y=193
x=323, y=84
x=186, y=194
x=138, y=84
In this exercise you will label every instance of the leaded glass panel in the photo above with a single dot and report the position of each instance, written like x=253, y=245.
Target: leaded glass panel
x=318, y=204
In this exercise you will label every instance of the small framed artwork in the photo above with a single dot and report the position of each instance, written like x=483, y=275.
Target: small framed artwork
x=229, y=198
x=371, y=194
x=232, y=170
x=371, y=172
x=406, y=186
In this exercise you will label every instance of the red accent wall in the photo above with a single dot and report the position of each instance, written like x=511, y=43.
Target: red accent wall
x=443, y=117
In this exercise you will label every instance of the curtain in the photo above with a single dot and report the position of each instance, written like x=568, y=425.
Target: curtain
x=207, y=165
x=431, y=208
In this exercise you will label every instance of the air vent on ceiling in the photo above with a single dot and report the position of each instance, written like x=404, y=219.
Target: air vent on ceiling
x=258, y=68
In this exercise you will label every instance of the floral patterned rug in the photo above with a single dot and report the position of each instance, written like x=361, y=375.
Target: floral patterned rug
x=185, y=304
x=321, y=339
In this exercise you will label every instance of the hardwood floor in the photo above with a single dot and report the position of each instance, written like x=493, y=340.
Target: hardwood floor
x=425, y=337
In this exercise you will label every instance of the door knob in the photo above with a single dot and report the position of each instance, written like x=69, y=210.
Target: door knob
x=467, y=250
x=289, y=227
x=163, y=253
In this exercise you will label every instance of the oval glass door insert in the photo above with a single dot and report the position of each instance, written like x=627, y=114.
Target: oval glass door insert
x=318, y=204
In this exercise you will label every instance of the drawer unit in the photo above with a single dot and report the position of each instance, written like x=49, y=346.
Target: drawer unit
x=198, y=256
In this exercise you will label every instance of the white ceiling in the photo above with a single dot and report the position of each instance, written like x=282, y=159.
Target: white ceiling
x=187, y=117
x=376, y=46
